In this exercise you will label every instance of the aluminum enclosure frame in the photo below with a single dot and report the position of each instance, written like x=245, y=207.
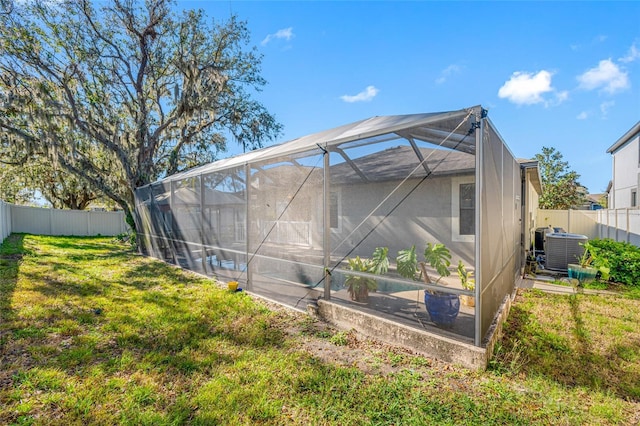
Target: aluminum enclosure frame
x=285, y=220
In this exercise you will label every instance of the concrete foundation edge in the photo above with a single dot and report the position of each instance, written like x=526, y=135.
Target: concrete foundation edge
x=423, y=342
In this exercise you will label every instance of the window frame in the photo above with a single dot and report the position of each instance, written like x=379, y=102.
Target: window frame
x=456, y=182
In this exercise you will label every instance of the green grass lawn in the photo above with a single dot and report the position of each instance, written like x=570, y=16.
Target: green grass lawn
x=91, y=333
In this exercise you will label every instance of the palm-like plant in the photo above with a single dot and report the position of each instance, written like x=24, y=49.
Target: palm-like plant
x=466, y=277
x=443, y=308
x=437, y=255
x=359, y=286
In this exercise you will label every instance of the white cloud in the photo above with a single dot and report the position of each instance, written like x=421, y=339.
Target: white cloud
x=366, y=95
x=448, y=72
x=561, y=97
x=607, y=75
x=583, y=115
x=605, y=107
x=526, y=88
x=632, y=55
x=285, y=33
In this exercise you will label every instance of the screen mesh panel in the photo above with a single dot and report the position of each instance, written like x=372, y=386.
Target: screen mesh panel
x=302, y=220
x=500, y=227
x=285, y=227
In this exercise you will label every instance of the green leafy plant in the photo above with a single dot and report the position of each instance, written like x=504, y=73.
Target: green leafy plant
x=359, y=286
x=466, y=277
x=623, y=259
x=437, y=255
x=592, y=258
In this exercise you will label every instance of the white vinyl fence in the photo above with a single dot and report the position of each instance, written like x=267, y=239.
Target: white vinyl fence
x=619, y=225
x=583, y=222
x=5, y=220
x=35, y=220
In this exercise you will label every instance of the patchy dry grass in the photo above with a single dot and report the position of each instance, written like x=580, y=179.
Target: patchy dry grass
x=580, y=341
x=91, y=333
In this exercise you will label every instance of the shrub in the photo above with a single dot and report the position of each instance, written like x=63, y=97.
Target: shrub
x=623, y=260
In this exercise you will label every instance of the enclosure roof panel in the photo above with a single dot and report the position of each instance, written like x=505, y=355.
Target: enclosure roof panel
x=189, y=197
x=399, y=162
x=439, y=126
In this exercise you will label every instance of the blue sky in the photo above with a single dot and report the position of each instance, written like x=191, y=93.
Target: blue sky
x=560, y=74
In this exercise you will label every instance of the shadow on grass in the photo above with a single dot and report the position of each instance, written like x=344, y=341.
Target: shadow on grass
x=529, y=347
x=152, y=309
x=75, y=243
x=149, y=274
x=11, y=253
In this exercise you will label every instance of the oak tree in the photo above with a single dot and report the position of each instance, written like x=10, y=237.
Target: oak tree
x=122, y=93
x=561, y=189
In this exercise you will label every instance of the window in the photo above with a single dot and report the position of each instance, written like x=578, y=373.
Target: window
x=634, y=198
x=463, y=209
x=467, y=209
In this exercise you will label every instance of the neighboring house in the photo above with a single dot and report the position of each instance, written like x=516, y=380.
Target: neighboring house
x=531, y=191
x=626, y=170
x=595, y=202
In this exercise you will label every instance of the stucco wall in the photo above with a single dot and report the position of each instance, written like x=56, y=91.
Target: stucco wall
x=423, y=217
x=626, y=174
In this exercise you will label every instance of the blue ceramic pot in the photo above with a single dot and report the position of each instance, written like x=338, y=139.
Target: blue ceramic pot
x=443, y=308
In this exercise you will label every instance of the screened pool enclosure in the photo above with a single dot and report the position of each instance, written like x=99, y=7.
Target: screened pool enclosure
x=312, y=219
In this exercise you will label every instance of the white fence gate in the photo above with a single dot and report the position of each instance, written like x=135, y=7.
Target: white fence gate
x=35, y=220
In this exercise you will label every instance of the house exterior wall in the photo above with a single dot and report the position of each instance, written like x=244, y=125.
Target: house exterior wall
x=530, y=222
x=424, y=217
x=626, y=174
x=626, y=170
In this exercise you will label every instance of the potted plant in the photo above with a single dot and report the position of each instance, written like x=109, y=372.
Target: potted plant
x=589, y=265
x=443, y=307
x=359, y=286
x=468, y=283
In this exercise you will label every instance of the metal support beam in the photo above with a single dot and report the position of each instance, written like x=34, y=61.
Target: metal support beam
x=247, y=225
x=326, y=243
x=479, y=151
x=203, y=250
x=419, y=155
x=351, y=163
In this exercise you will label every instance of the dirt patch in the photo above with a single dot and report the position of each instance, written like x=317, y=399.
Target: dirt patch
x=347, y=348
